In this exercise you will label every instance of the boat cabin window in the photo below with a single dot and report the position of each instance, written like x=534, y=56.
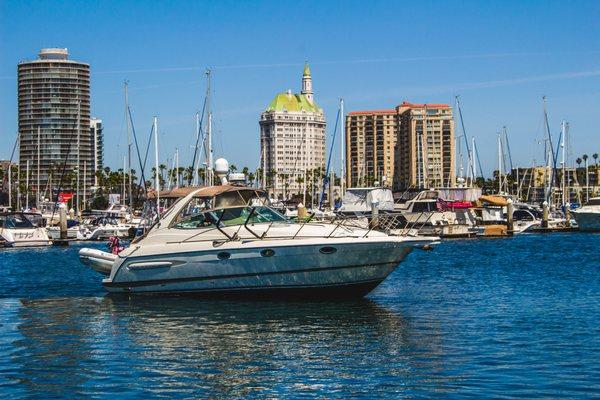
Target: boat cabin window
x=239, y=215
x=201, y=220
x=15, y=221
x=522, y=215
x=593, y=202
x=239, y=198
x=424, y=206
x=229, y=217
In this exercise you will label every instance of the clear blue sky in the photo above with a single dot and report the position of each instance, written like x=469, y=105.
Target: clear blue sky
x=500, y=57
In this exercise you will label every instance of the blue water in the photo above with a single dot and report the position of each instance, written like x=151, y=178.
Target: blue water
x=505, y=318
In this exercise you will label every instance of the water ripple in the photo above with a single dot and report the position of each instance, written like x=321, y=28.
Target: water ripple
x=495, y=318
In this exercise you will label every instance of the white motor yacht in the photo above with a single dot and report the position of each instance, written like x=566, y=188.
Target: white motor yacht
x=588, y=216
x=226, y=240
x=17, y=230
x=103, y=228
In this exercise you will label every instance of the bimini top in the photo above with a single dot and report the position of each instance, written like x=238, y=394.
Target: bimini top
x=203, y=192
x=494, y=200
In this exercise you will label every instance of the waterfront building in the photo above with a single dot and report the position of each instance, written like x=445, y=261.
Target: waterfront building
x=424, y=151
x=370, y=142
x=54, y=121
x=532, y=184
x=292, y=139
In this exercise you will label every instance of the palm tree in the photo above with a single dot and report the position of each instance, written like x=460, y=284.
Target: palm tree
x=595, y=155
x=232, y=168
x=161, y=180
x=251, y=178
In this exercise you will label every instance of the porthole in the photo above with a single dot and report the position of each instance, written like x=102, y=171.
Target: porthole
x=327, y=250
x=223, y=255
x=267, y=253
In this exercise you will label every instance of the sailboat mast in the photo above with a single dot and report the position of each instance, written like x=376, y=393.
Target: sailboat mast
x=209, y=166
x=78, y=151
x=156, y=181
x=123, y=188
x=473, y=167
x=129, y=144
x=37, y=191
x=27, y=184
x=195, y=171
x=10, y=184
x=499, y=164
x=562, y=145
x=176, y=167
x=342, y=149
x=84, y=180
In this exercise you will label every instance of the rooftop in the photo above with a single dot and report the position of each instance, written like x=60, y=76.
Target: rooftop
x=54, y=54
x=425, y=105
x=372, y=112
x=293, y=102
x=306, y=70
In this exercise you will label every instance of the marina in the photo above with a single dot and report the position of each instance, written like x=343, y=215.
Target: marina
x=520, y=323
x=299, y=200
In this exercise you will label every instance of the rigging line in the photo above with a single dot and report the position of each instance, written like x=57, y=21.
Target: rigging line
x=199, y=134
x=508, y=149
x=553, y=178
x=148, y=147
x=137, y=148
x=326, y=178
x=10, y=161
x=462, y=124
x=478, y=161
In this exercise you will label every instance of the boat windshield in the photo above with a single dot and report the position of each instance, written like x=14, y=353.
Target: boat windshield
x=15, y=221
x=229, y=217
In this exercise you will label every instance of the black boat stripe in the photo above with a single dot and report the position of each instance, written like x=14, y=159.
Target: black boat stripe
x=206, y=278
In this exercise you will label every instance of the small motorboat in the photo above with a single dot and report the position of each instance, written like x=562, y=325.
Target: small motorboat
x=17, y=230
x=588, y=216
x=226, y=240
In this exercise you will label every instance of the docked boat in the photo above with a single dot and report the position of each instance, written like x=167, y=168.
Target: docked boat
x=588, y=216
x=227, y=240
x=104, y=227
x=431, y=215
x=17, y=230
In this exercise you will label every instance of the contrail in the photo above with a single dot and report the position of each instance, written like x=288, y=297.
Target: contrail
x=334, y=62
x=349, y=61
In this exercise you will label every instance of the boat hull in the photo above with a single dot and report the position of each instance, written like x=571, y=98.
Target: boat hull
x=326, y=269
x=587, y=221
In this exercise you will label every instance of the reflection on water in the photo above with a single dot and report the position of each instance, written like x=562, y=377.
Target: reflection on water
x=497, y=318
x=218, y=348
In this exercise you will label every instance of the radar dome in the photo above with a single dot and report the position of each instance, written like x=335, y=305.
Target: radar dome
x=221, y=166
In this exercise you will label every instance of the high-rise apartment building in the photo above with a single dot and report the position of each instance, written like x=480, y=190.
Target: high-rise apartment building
x=370, y=141
x=411, y=146
x=425, y=146
x=54, y=120
x=292, y=138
